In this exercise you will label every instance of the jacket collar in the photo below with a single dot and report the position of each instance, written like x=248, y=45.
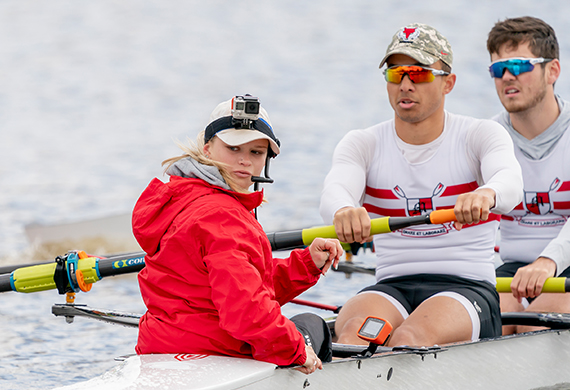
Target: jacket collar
x=249, y=200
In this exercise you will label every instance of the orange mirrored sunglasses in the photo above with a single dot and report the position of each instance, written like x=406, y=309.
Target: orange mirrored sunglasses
x=416, y=73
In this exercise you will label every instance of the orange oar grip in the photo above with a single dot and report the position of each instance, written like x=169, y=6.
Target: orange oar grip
x=442, y=216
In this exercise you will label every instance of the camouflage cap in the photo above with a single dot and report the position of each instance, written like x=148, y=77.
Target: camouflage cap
x=421, y=42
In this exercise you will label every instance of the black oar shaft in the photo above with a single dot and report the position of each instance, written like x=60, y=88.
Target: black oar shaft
x=397, y=223
x=5, y=283
x=122, y=264
x=6, y=269
x=286, y=240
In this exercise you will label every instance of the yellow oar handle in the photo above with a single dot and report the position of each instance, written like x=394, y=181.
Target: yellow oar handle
x=551, y=285
x=308, y=235
x=378, y=226
x=40, y=277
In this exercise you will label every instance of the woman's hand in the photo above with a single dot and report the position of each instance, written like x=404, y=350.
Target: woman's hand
x=312, y=362
x=326, y=253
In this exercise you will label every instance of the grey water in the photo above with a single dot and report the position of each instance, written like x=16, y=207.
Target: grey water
x=94, y=95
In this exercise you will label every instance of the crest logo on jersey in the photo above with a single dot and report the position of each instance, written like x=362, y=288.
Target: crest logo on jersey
x=419, y=206
x=408, y=34
x=540, y=203
x=537, y=202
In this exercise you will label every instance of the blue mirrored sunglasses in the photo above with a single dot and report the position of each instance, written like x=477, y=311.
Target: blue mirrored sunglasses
x=515, y=66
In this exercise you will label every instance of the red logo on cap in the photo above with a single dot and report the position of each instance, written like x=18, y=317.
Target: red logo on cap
x=409, y=34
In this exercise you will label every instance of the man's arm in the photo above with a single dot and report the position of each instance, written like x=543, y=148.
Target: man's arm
x=344, y=186
x=558, y=250
x=491, y=152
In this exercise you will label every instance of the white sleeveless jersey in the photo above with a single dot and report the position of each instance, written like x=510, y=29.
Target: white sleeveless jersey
x=538, y=219
x=395, y=187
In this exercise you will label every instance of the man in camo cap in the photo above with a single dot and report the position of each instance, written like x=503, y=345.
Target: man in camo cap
x=435, y=283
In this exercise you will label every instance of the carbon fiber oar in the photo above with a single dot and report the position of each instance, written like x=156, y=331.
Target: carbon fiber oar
x=299, y=238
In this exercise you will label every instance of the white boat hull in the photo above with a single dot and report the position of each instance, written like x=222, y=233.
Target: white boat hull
x=525, y=361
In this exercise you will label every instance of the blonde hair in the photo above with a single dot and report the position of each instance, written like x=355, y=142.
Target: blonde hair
x=195, y=150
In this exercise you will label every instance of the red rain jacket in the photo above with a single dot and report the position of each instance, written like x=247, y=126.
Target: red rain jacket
x=211, y=284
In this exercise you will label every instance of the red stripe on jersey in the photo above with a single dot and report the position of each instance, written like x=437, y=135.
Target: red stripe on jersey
x=519, y=207
x=565, y=186
x=381, y=194
x=385, y=212
x=460, y=189
x=561, y=205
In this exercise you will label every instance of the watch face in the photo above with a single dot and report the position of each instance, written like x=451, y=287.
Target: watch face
x=371, y=328
x=375, y=330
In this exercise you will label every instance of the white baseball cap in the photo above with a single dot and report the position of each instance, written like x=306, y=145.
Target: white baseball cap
x=221, y=126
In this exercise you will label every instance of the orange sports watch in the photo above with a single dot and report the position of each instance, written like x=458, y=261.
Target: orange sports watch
x=375, y=330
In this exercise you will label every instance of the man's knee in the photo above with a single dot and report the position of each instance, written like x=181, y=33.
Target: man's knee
x=348, y=332
x=356, y=307
x=354, y=313
x=406, y=335
x=351, y=324
x=509, y=303
x=349, y=320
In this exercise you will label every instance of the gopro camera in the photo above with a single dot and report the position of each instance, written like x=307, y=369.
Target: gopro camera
x=245, y=108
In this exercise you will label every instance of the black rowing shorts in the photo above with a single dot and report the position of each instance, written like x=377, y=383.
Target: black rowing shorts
x=410, y=291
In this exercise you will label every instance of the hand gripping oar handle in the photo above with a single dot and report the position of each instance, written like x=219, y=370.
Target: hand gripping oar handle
x=551, y=285
x=299, y=238
x=41, y=277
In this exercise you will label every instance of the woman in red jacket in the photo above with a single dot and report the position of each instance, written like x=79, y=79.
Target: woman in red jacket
x=211, y=284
